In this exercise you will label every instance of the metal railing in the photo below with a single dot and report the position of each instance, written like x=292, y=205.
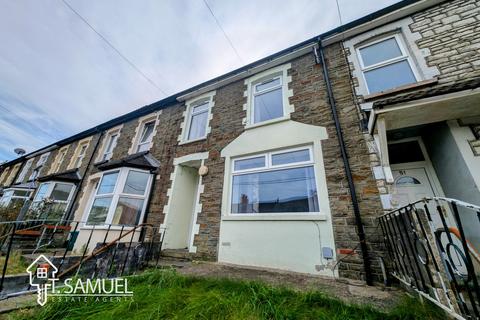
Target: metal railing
x=76, y=247
x=430, y=252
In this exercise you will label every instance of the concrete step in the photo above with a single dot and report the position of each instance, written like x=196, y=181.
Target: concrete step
x=179, y=254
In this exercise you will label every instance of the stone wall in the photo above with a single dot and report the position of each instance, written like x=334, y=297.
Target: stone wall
x=450, y=32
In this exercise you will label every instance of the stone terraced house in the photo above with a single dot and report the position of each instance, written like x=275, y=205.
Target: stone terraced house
x=287, y=162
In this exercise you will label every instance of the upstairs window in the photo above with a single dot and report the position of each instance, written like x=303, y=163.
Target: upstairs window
x=198, y=121
x=111, y=144
x=386, y=64
x=146, y=136
x=120, y=197
x=59, y=160
x=275, y=182
x=267, y=99
x=24, y=171
x=80, y=155
x=38, y=166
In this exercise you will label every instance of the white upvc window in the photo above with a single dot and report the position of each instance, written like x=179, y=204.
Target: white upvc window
x=267, y=98
x=111, y=143
x=198, y=120
x=43, y=159
x=81, y=151
x=120, y=197
x=59, y=160
x=274, y=182
x=24, y=171
x=4, y=175
x=386, y=64
x=146, y=136
x=52, y=199
x=38, y=166
x=14, y=197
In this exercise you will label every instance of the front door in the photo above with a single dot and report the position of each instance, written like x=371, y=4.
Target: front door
x=410, y=185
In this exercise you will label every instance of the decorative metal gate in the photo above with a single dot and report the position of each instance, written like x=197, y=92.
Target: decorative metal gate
x=430, y=252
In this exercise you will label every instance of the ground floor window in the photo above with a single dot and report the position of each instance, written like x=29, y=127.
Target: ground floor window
x=51, y=200
x=275, y=182
x=120, y=197
x=14, y=197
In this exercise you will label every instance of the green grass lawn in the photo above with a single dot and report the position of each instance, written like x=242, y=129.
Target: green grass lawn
x=167, y=295
x=16, y=263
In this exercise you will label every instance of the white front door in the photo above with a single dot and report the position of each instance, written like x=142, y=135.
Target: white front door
x=410, y=185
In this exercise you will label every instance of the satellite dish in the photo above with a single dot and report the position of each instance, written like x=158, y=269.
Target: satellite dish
x=19, y=151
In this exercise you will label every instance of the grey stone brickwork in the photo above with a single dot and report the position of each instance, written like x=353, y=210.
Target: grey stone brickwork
x=450, y=31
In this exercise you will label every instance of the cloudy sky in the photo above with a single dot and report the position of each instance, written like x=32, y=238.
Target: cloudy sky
x=58, y=77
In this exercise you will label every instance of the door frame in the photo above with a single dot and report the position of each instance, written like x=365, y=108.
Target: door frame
x=427, y=164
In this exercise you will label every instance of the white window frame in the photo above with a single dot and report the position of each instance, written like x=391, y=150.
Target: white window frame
x=43, y=159
x=256, y=93
x=16, y=197
x=116, y=194
x=140, y=136
x=80, y=155
x=4, y=174
x=262, y=77
x=38, y=166
x=270, y=167
x=12, y=174
x=404, y=57
x=51, y=186
x=139, y=130
x=107, y=154
x=24, y=171
x=191, y=113
x=59, y=158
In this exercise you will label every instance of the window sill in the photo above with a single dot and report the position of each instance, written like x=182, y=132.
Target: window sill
x=276, y=217
x=266, y=123
x=192, y=141
x=400, y=89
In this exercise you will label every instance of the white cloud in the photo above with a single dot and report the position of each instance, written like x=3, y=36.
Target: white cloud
x=58, y=77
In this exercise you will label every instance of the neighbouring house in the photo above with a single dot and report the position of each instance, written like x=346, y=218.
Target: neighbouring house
x=286, y=162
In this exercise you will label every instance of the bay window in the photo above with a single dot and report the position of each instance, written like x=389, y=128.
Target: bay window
x=120, y=197
x=275, y=182
x=14, y=197
x=386, y=64
x=51, y=200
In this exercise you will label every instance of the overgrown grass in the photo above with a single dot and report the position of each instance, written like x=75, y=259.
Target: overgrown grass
x=168, y=295
x=16, y=263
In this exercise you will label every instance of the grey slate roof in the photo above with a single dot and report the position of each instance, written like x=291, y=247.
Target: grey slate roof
x=141, y=160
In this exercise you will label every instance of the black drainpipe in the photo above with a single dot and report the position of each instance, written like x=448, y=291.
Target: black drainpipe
x=80, y=184
x=348, y=172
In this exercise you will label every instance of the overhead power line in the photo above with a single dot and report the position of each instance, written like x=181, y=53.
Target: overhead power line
x=223, y=31
x=114, y=48
x=339, y=13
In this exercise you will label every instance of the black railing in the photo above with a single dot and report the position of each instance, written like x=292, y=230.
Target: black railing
x=77, y=248
x=431, y=253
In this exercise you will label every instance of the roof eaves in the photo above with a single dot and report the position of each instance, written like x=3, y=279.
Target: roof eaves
x=172, y=99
